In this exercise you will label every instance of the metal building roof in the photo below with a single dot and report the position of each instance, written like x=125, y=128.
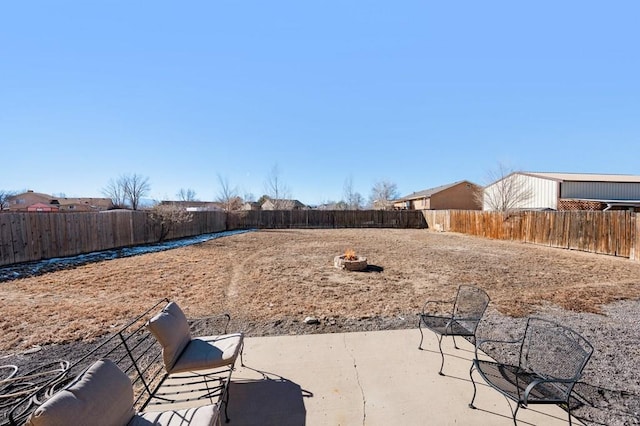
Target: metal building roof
x=585, y=177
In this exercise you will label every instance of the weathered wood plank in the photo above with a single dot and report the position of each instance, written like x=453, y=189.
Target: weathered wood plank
x=32, y=236
x=7, y=255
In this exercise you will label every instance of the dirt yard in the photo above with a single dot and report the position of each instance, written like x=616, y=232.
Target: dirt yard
x=269, y=281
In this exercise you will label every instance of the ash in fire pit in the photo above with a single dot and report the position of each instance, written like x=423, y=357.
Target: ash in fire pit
x=350, y=261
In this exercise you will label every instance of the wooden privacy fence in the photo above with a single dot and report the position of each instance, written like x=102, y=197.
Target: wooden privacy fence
x=26, y=237
x=614, y=233
x=277, y=219
x=34, y=236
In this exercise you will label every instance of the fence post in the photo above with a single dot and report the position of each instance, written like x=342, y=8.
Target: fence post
x=634, y=249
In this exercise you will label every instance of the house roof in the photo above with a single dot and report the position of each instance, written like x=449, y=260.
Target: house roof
x=191, y=203
x=427, y=193
x=36, y=206
x=29, y=198
x=284, y=203
x=585, y=177
x=94, y=202
x=32, y=195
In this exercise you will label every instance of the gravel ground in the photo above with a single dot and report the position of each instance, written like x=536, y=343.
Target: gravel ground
x=609, y=393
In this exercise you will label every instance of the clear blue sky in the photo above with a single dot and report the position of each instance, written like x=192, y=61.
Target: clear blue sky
x=419, y=93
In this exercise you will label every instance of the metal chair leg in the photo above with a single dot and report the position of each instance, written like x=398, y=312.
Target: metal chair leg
x=421, y=335
x=473, y=398
x=441, y=354
x=515, y=413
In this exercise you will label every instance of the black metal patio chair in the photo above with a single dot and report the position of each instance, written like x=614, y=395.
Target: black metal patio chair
x=551, y=358
x=468, y=307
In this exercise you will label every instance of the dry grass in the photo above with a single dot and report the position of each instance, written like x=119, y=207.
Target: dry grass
x=269, y=275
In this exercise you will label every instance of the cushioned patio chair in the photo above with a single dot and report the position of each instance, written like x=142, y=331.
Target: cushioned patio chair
x=464, y=314
x=103, y=396
x=551, y=358
x=182, y=353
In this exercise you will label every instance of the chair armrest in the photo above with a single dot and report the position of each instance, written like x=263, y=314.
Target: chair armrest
x=222, y=317
x=424, y=307
x=539, y=381
x=481, y=342
x=467, y=318
x=447, y=316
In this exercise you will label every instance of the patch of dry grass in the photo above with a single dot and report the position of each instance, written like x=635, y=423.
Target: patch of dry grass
x=268, y=275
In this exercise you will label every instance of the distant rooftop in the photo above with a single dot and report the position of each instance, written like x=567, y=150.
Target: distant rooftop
x=585, y=177
x=429, y=192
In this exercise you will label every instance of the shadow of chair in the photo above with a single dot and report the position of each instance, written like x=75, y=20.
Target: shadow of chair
x=462, y=319
x=620, y=406
x=272, y=400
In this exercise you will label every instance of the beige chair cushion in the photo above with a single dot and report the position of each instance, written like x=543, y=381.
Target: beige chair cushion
x=204, y=353
x=207, y=415
x=102, y=395
x=171, y=328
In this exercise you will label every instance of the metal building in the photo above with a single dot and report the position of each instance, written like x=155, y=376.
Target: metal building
x=563, y=191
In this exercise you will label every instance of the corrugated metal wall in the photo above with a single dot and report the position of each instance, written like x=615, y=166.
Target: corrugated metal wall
x=545, y=192
x=601, y=190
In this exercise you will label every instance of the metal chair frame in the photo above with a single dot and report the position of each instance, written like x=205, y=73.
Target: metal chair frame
x=136, y=352
x=551, y=359
x=468, y=308
x=216, y=381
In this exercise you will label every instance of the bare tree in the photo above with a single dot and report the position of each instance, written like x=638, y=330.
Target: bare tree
x=4, y=198
x=249, y=197
x=186, y=195
x=276, y=190
x=357, y=203
x=227, y=195
x=262, y=199
x=353, y=199
x=115, y=191
x=167, y=217
x=340, y=205
x=135, y=188
x=382, y=195
x=506, y=190
x=127, y=190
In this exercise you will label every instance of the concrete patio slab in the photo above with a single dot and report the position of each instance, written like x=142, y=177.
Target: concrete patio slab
x=367, y=378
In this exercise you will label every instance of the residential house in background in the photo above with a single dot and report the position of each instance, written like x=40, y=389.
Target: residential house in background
x=195, y=206
x=461, y=195
x=41, y=207
x=31, y=201
x=282, y=204
x=569, y=191
x=250, y=205
x=340, y=205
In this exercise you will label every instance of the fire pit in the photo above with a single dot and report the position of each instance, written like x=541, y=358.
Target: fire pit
x=350, y=261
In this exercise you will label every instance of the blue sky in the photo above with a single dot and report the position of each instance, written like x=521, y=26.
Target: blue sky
x=418, y=93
